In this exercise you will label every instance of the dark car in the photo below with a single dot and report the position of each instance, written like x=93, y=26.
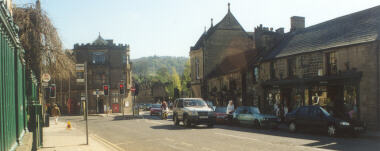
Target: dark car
x=221, y=114
x=155, y=109
x=317, y=118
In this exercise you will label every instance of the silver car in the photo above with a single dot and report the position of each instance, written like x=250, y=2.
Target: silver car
x=193, y=111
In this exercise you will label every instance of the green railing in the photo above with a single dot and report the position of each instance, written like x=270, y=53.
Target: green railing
x=19, y=110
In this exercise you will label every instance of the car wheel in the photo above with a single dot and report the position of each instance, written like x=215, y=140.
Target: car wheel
x=331, y=130
x=175, y=119
x=257, y=124
x=186, y=121
x=292, y=127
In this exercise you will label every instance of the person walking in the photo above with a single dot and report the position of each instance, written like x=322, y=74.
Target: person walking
x=55, y=112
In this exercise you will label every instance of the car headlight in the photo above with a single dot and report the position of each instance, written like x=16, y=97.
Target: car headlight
x=344, y=123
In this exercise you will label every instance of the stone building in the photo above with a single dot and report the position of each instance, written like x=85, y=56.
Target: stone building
x=225, y=39
x=108, y=64
x=334, y=64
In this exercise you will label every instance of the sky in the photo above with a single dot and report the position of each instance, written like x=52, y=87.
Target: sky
x=171, y=27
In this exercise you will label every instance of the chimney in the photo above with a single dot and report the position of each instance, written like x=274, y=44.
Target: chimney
x=280, y=30
x=296, y=23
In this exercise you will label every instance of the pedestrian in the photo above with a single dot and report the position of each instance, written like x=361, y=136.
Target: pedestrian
x=55, y=112
x=316, y=99
x=230, y=107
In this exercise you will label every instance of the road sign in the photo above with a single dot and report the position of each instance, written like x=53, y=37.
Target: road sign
x=46, y=77
x=79, y=67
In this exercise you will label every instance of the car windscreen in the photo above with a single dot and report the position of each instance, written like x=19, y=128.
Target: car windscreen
x=156, y=106
x=194, y=103
x=255, y=110
x=220, y=109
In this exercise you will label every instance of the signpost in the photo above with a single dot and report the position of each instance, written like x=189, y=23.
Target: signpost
x=82, y=70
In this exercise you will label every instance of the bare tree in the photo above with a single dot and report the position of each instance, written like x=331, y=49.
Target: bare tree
x=43, y=47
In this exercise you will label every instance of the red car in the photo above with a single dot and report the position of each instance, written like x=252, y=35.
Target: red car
x=155, y=109
x=221, y=114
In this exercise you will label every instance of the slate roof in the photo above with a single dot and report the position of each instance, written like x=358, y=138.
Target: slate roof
x=229, y=22
x=355, y=28
x=234, y=63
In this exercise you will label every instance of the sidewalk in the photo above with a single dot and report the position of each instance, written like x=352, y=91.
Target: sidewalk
x=59, y=138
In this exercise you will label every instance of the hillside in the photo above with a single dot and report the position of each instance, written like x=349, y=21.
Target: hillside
x=149, y=65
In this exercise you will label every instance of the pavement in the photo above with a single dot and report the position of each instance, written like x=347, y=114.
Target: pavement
x=57, y=137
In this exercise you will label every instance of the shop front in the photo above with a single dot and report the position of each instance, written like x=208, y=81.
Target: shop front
x=337, y=94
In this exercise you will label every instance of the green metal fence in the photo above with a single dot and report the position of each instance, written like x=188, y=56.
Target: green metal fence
x=19, y=110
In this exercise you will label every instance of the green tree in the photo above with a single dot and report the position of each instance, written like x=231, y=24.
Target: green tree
x=186, y=79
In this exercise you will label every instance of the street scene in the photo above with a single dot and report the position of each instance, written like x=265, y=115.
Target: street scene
x=216, y=75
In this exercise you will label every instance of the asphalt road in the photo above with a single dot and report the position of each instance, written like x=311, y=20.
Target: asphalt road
x=152, y=134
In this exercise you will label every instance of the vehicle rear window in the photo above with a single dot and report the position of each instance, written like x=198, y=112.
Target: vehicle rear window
x=156, y=106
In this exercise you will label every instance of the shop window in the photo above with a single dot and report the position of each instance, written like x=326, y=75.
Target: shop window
x=331, y=63
x=350, y=101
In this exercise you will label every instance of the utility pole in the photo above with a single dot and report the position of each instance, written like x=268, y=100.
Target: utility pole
x=86, y=108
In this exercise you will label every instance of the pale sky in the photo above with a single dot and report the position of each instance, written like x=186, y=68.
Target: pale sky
x=171, y=27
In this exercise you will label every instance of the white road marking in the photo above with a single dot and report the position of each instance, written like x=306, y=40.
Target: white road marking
x=239, y=137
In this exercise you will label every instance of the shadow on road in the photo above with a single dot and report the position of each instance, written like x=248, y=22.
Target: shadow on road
x=322, y=140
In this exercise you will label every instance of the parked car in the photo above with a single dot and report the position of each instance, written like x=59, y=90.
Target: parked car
x=211, y=105
x=155, y=109
x=147, y=107
x=193, y=111
x=317, y=118
x=221, y=114
x=251, y=115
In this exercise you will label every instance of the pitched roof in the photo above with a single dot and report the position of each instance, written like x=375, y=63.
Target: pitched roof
x=229, y=22
x=355, y=28
x=234, y=63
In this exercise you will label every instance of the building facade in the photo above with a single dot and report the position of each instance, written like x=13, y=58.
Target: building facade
x=334, y=64
x=108, y=66
x=226, y=38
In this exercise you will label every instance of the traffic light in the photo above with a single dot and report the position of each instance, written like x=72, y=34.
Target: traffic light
x=53, y=90
x=122, y=89
x=106, y=89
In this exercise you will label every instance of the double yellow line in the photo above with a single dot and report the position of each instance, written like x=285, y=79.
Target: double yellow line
x=106, y=142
